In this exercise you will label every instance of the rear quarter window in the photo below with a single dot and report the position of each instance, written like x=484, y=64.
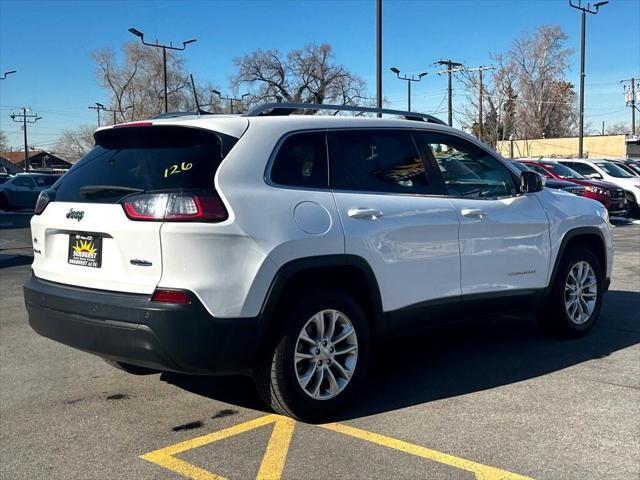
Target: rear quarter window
x=146, y=158
x=301, y=161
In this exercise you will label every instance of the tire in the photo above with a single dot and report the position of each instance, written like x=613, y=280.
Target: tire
x=279, y=376
x=556, y=317
x=132, y=369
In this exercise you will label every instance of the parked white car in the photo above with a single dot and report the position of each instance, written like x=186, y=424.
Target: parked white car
x=283, y=245
x=599, y=169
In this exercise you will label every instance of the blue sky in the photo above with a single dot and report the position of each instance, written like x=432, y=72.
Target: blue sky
x=49, y=43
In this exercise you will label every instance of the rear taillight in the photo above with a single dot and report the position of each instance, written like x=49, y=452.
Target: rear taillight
x=133, y=124
x=41, y=204
x=170, y=296
x=175, y=207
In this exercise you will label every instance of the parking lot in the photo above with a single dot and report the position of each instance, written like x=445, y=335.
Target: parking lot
x=488, y=401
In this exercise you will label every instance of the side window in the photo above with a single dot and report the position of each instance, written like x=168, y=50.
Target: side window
x=23, y=182
x=376, y=161
x=581, y=168
x=301, y=161
x=467, y=170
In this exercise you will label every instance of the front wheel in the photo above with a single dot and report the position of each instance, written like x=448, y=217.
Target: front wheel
x=319, y=360
x=576, y=297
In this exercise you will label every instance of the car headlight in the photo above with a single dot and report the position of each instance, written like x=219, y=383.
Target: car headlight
x=596, y=190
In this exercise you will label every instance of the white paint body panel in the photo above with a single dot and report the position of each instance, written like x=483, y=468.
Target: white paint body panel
x=413, y=249
x=505, y=250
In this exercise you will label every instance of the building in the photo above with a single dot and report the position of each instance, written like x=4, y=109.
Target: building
x=38, y=160
x=596, y=146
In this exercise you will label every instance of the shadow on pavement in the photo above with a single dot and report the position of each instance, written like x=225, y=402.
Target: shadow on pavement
x=7, y=261
x=457, y=359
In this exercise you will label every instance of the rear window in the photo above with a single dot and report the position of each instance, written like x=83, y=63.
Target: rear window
x=136, y=159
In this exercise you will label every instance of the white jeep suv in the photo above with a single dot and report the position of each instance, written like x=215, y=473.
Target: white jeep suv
x=284, y=245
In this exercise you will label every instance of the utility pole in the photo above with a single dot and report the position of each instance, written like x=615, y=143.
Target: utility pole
x=584, y=10
x=379, y=55
x=408, y=79
x=451, y=68
x=231, y=99
x=25, y=118
x=480, y=69
x=630, y=99
x=164, y=48
x=97, y=108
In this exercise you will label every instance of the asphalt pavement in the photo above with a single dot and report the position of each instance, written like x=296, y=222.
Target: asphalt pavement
x=478, y=400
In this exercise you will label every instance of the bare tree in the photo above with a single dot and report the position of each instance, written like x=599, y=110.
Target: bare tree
x=4, y=141
x=308, y=75
x=526, y=95
x=137, y=82
x=74, y=144
x=618, y=128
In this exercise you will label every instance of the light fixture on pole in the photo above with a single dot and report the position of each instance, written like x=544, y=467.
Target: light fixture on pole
x=231, y=99
x=408, y=80
x=3, y=77
x=164, y=48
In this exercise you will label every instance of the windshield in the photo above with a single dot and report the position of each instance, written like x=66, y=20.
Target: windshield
x=521, y=166
x=614, y=170
x=563, y=171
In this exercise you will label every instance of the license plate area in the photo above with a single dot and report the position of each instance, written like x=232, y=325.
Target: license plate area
x=85, y=250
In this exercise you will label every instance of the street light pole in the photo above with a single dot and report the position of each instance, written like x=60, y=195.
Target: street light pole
x=408, y=79
x=379, y=55
x=584, y=10
x=164, y=48
x=231, y=99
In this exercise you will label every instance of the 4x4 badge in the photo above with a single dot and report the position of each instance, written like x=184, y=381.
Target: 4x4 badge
x=77, y=214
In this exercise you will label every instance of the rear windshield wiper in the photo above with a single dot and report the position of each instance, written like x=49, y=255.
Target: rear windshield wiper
x=107, y=191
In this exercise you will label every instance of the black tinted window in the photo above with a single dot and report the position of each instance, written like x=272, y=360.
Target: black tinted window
x=45, y=181
x=22, y=182
x=301, y=161
x=144, y=158
x=467, y=170
x=376, y=161
x=581, y=168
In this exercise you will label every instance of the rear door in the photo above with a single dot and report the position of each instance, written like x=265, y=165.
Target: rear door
x=102, y=228
x=391, y=219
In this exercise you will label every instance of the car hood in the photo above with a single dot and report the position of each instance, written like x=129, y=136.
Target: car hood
x=598, y=183
x=555, y=183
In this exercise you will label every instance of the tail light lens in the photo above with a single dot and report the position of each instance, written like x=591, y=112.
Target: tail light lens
x=170, y=296
x=175, y=207
x=41, y=204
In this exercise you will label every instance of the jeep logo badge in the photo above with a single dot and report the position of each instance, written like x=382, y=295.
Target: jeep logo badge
x=77, y=214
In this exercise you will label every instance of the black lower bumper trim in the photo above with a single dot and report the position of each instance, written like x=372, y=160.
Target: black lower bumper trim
x=129, y=328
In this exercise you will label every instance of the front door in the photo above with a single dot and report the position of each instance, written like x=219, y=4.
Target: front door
x=504, y=236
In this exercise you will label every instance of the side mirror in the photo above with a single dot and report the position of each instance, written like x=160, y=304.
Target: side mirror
x=594, y=176
x=531, y=182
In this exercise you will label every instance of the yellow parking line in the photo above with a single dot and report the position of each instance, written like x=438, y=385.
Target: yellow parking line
x=277, y=449
x=482, y=472
x=272, y=462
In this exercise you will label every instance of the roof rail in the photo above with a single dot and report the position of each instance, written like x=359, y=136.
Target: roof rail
x=289, y=108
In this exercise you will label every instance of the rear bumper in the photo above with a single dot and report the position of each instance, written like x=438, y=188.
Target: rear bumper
x=130, y=328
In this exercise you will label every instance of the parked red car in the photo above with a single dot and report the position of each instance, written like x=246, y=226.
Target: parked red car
x=609, y=194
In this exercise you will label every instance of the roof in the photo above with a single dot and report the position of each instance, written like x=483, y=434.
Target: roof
x=17, y=157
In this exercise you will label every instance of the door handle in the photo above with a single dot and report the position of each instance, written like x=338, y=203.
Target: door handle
x=473, y=213
x=364, y=213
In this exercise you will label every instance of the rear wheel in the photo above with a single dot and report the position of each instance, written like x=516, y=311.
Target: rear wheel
x=576, y=296
x=317, y=363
